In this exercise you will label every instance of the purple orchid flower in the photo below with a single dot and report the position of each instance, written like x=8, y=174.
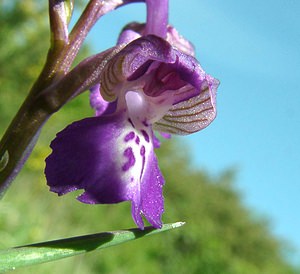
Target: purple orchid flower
x=150, y=84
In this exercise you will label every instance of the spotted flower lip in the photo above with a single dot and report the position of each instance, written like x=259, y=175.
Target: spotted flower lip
x=147, y=85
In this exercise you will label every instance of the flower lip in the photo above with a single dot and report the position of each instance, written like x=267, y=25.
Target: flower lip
x=112, y=161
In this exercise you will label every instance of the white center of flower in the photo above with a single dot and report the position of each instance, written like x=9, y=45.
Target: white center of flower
x=145, y=109
x=136, y=106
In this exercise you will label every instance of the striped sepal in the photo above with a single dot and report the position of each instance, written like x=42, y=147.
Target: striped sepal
x=190, y=116
x=112, y=76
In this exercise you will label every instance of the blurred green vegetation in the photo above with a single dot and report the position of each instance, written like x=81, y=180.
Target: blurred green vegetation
x=221, y=234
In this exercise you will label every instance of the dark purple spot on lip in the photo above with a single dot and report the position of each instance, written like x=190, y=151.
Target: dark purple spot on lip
x=128, y=153
x=142, y=151
x=145, y=124
x=144, y=161
x=146, y=136
x=137, y=140
x=129, y=136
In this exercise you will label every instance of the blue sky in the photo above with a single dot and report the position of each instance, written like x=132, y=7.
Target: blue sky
x=253, y=48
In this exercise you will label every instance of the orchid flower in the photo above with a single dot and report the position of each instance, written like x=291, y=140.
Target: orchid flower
x=152, y=82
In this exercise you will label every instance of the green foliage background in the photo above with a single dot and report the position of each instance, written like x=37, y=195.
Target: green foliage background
x=221, y=234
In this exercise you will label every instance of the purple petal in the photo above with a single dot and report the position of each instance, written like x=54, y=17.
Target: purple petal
x=179, y=42
x=112, y=161
x=96, y=101
x=100, y=106
x=182, y=78
x=151, y=203
x=135, y=30
x=82, y=159
x=156, y=140
x=165, y=135
x=127, y=36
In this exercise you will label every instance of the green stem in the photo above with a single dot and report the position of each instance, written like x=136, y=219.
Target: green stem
x=59, y=13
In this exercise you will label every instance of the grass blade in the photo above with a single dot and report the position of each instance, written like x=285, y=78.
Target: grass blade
x=16, y=257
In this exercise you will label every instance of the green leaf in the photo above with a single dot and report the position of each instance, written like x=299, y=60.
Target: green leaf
x=16, y=257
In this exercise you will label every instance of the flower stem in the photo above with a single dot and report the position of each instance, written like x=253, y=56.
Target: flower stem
x=157, y=17
x=59, y=14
